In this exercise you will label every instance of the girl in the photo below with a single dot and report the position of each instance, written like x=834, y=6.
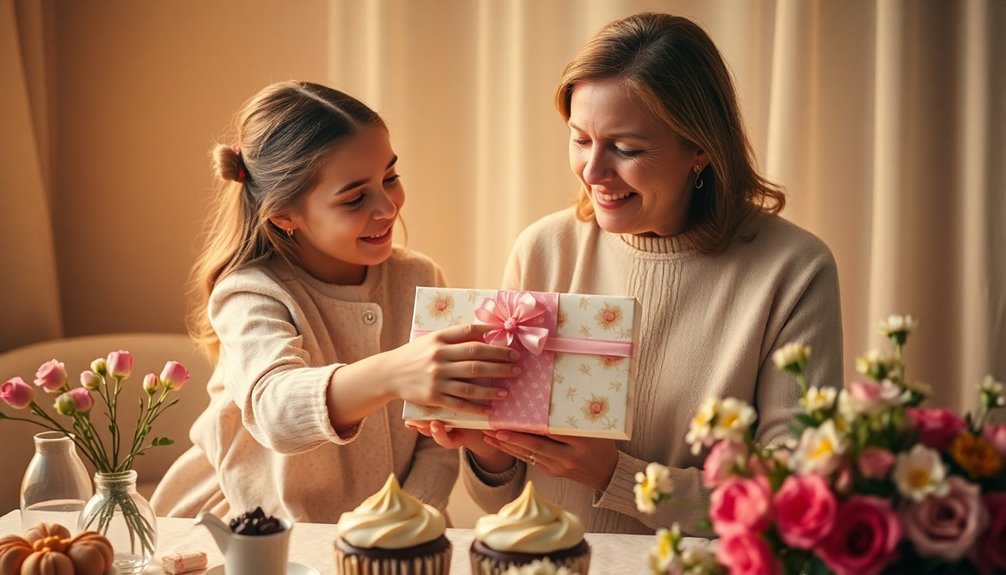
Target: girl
x=306, y=307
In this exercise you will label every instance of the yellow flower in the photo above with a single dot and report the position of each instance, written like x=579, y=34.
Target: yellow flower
x=976, y=455
x=608, y=317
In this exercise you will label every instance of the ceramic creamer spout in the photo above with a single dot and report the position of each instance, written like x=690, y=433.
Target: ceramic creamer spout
x=217, y=528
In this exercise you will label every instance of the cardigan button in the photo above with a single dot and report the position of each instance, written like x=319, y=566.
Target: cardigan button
x=369, y=317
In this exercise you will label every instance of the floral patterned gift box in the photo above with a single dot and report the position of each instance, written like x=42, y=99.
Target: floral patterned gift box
x=578, y=358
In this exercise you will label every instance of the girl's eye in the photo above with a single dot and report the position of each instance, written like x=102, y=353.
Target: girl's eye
x=392, y=179
x=626, y=152
x=355, y=201
x=581, y=141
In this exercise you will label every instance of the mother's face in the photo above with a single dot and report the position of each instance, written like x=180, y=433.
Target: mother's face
x=639, y=175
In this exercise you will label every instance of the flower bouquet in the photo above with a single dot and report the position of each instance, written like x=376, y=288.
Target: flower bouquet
x=111, y=455
x=873, y=484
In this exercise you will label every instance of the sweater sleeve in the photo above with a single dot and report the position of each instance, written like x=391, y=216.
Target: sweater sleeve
x=809, y=312
x=688, y=505
x=282, y=399
x=433, y=473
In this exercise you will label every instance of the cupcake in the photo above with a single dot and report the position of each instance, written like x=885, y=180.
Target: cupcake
x=526, y=530
x=392, y=532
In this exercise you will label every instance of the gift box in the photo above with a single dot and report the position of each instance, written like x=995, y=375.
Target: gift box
x=577, y=355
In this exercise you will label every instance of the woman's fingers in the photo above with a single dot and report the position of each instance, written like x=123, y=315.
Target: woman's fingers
x=474, y=391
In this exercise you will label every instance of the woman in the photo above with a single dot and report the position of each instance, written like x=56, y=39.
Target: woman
x=673, y=212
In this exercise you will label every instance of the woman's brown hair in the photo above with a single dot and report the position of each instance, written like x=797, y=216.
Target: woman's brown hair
x=673, y=65
x=282, y=135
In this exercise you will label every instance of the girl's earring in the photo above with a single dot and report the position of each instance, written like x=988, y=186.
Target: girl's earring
x=698, y=177
x=289, y=232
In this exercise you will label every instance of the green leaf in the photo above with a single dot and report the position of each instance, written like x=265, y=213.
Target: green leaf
x=158, y=441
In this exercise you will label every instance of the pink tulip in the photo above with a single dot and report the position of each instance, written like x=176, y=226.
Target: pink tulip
x=16, y=393
x=174, y=375
x=875, y=462
x=83, y=401
x=936, y=426
x=745, y=553
x=50, y=376
x=150, y=383
x=946, y=527
x=989, y=555
x=804, y=510
x=739, y=504
x=996, y=435
x=722, y=462
x=119, y=364
x=863, y=538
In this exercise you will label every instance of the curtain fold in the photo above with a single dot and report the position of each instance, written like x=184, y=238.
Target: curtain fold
x=29, y=294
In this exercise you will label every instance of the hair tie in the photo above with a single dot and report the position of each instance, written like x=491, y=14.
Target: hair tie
x=236, y=148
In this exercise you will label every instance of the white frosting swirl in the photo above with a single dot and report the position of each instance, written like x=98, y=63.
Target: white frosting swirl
x=529, y=524
x=391, y=519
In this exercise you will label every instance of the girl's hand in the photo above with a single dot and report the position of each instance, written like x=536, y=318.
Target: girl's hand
x=488, y=457
x=438, y=368
x=585, y=460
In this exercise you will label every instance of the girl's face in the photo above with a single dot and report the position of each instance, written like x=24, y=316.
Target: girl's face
x=639, y=175
x=343, y=224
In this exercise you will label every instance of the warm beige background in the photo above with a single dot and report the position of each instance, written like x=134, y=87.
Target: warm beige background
x=886, y=120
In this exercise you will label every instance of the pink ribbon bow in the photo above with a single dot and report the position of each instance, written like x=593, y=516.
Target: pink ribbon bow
x=511, y=312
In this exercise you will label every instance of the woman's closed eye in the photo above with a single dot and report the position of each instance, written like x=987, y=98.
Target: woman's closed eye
x=355, y=201
x=628, y=153
x=392, y=179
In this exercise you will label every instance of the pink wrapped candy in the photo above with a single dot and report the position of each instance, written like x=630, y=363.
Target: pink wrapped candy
x=183, y=562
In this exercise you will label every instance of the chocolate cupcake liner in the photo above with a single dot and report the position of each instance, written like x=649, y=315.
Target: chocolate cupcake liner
x=418, y=560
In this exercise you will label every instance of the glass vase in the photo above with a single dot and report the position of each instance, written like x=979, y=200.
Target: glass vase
x=125, y=517
x=55, y=484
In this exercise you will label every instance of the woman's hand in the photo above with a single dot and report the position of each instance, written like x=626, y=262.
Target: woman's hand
x=585, y=460
x=489, y=458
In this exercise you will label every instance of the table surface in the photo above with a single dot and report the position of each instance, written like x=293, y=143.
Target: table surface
x=312, y=544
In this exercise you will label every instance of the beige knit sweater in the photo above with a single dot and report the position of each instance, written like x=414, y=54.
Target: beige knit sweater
x=265, y=438
x=709, y=326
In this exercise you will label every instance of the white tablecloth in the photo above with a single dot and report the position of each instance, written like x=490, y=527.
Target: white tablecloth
x=312, y=544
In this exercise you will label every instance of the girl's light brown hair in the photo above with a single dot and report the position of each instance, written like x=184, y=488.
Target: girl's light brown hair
x=675, y=68
x=282, y=135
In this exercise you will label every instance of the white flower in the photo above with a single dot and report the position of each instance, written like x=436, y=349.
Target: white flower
x=664, y=556
x=920, y=473
x=819, y=399
x=699, y=560
x=876, y=365
x=538, y=567
x=993, y=391
x=791, y=357
x=897, y=327
x=701, y=429
x=820, y=449
x=733, y=420
x=920, y=388
x=652, y=487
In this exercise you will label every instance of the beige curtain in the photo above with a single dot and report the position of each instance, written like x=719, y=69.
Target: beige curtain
x=29, y=294
x=885, y=120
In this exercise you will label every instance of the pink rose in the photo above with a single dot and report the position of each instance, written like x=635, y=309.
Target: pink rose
x=996, y=435
x=119, y=364
x=174, y=375
x=873, y=397
x=739, y=504
x=50, y=376
x=804, y=510
x=721, y=463
x=90, y=380
x=16, y=393
x=989, y=555
x=936, y=426
x=150, y=383
x=875, y=462
x=83, y=401
x=947, y=526
x=863, y=538
x=745, y=553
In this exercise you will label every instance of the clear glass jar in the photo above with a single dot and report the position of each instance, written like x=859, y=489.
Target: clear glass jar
x=125, y=517
x=56, y=485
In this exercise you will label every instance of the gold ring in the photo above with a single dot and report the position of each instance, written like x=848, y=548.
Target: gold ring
x=531, y=460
